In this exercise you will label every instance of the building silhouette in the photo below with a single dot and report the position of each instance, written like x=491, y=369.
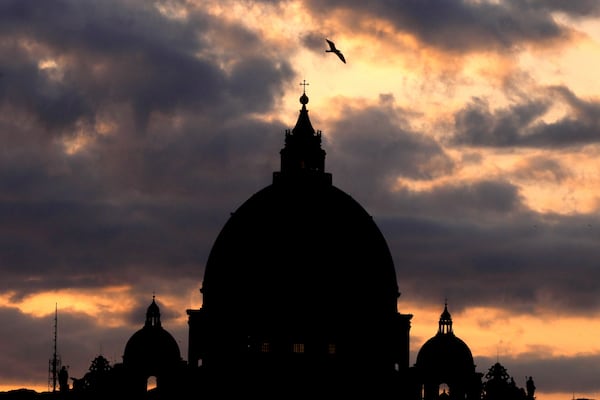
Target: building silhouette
x=446, y=361
x=300, y=289
x=299, y=300
x=152, y=352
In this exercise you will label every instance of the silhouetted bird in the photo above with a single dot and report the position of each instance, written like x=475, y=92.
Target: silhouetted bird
x=333, y=49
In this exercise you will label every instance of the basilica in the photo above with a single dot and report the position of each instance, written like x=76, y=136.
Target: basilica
x=300, y=300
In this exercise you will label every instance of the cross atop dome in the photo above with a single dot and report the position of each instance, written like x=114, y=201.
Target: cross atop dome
x=304, y=97
x=303, y=83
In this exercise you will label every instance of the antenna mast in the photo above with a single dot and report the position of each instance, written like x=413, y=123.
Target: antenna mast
x=55, y=361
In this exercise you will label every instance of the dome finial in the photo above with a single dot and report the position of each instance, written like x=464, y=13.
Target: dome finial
x=153, y=313
x=302, y=154
x=304, y=97
x=445, y=320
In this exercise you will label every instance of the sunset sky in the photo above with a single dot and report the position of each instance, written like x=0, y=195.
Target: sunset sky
x=468, y=129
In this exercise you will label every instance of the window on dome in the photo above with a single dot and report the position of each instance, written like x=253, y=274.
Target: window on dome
x=443, y=390
x=331, y=348
x=298, y=348
x=150, y=383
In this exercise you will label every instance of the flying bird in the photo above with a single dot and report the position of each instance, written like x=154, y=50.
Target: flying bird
x=333, y=49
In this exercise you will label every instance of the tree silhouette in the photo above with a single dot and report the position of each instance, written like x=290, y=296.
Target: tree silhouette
x=95, y=380
x=499, y=385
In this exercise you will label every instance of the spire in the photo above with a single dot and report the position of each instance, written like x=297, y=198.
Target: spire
x=303, y=126
x=445, y=327
x=153, y=314
x=302, y=154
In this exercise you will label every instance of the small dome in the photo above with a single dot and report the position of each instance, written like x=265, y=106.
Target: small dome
x=151, y=348
x=446, y=354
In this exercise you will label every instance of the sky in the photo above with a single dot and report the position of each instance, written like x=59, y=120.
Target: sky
x=468, y=129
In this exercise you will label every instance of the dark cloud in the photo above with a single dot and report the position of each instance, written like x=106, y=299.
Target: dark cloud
x=542, y=168
x=313, y=40
x=19, y=355
x=379, y=145
x=463, y=25
x=117, y=208
x=477, y=125
x=467, y=200
x=128, y=54
x=183, y=149
x=474, y=241
x=525, y=262
x=581, y=8
x=522, y=124
x=27, y=89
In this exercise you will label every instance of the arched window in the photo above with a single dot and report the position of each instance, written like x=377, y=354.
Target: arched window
x=150, y=383
x=443, y=391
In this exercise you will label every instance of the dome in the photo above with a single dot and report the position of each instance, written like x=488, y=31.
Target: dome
x=152, y=347
x=300, y=286
x=300, y=255
x=301, y=248
x=445, y=355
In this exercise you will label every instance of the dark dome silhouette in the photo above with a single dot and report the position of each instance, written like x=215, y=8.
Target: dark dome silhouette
x=446, y=359
x=444, y=353
x=300, y=281
x=152, y=347
x=150, y=352
x=299, y=250
x=333, y=252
